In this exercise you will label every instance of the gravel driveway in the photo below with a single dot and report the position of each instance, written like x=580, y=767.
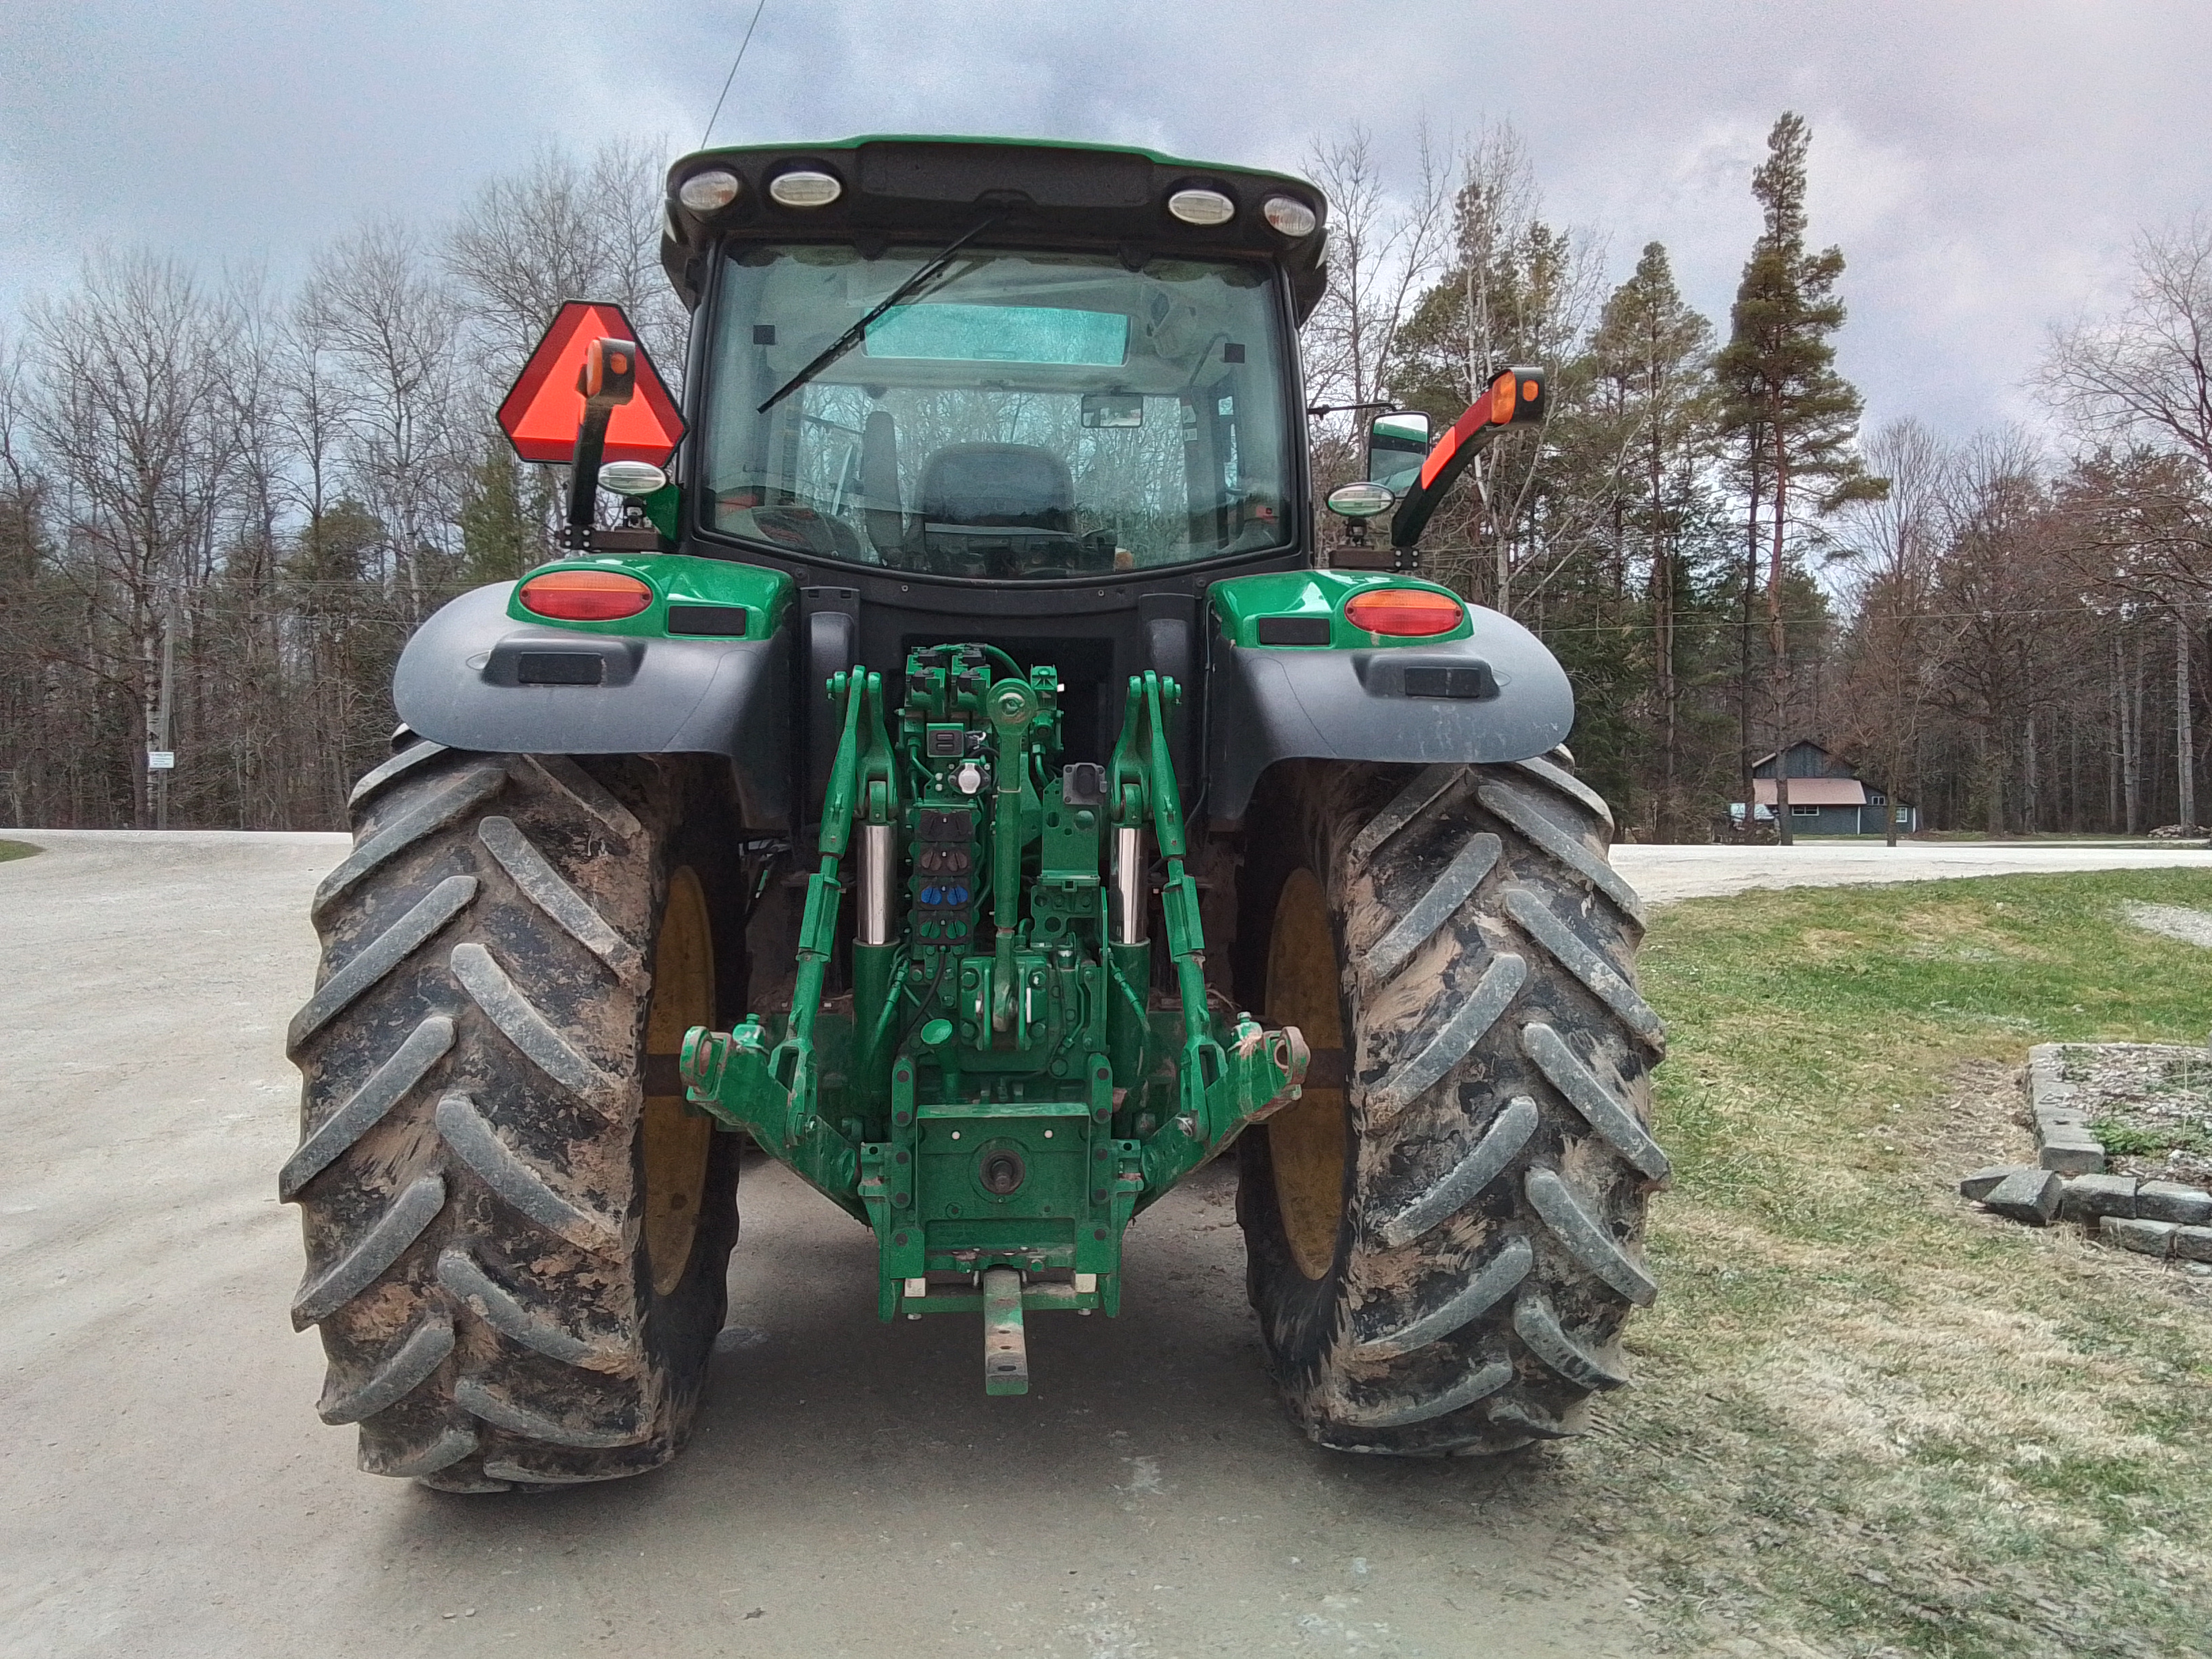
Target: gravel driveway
x=851, y=1490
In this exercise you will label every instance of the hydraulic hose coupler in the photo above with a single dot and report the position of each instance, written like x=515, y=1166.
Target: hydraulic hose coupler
x=1127, y=902
x=872, y=919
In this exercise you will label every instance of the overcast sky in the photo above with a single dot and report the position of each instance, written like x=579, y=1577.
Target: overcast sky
x=1983, y=163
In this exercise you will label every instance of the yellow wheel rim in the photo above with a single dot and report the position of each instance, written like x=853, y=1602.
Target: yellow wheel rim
x=676, y=1140
x=1307, y=1141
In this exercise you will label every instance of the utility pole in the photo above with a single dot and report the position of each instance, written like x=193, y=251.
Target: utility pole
x=2184, y=739
x=160, y=778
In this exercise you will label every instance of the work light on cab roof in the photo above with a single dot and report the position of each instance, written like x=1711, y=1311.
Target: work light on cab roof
x=1202, y=207
x=708, y=192
x=1290, y=215
x=804, y=187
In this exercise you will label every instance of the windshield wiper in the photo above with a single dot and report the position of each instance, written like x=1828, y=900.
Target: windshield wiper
x=852, y=336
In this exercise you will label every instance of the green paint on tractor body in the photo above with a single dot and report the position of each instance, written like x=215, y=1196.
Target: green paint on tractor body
x=999, y=1094
x=765, y=597
x=1241, y=602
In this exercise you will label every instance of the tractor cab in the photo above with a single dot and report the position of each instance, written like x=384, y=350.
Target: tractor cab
x=1037, y=396
x=1091, y=376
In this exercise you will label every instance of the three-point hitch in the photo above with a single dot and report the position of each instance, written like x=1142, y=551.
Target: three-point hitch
x=1036, y=1100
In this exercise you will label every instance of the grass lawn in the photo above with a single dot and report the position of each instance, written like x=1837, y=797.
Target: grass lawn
x=17, y=849
x=1869, y=1418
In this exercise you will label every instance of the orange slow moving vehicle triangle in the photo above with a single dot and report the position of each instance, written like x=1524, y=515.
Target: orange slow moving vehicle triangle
x=541, y=414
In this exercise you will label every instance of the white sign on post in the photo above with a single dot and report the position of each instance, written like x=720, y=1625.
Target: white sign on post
x=160, y=760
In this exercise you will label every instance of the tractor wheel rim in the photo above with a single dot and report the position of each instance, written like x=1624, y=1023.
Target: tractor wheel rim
x=1308, y=1141
x=675, y=1141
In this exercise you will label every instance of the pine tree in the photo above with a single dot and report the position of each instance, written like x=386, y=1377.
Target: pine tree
x=1652, y=356
x=1797, y=416
x=500, y=539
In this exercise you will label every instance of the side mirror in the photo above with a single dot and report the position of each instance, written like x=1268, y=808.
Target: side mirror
x=1395, y=444
x=631, y=478
x=1360, y=501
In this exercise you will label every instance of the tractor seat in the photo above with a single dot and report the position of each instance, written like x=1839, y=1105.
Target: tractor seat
x=996, y=510
x=1015, y=485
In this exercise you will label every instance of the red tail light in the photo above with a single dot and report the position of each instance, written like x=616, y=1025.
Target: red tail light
x=1404, y=610
x=586, y=595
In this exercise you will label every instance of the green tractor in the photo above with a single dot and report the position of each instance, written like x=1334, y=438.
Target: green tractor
x=958, y=779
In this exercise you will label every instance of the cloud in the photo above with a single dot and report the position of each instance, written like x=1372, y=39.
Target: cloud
x=1983, y=163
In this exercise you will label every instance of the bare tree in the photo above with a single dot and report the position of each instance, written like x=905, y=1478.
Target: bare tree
x=565, y=229
x=273, y=486
x=1516, y=290
x=2006, y=602
x=1382, y=252
x=2145, y=374
x=376, y=310
x=1891, y=552
x=2146, y=371
x=128, y=410
x=24, y=731
x=1529, y=293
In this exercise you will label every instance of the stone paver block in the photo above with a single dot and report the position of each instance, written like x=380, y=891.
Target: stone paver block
x=2193, y=1244
x=2071, y=1152
x=2062, y=1140
x=2148, y=1238
x=2090, y=1195
x=1979, y=1185
x=2046, y=1066
x=2029, y=1195
x=2169, y=1200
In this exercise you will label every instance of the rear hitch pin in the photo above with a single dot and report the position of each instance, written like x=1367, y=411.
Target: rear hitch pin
x=1005, y=1350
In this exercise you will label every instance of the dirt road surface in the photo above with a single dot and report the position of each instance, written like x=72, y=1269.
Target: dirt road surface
x=851, y=1490
x=1663, y=874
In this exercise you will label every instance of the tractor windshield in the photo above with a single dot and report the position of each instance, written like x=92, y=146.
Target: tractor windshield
x=1022, y=415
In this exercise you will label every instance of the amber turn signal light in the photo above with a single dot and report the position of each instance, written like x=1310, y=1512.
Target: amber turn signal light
x=586, y=595
x=1412, y=611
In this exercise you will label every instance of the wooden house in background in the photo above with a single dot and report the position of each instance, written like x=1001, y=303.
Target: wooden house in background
x=1827, y=796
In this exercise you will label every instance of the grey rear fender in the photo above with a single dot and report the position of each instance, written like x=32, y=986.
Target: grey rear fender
x=1496, y=695
x=473, y=677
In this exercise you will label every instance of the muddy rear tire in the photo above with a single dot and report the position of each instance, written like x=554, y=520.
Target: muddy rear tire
x=517, y=1239
x=1444, y=1236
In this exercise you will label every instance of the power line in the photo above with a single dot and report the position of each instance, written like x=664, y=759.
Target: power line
x=731, y=77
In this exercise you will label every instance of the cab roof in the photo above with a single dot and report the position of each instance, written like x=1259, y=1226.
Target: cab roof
x=1048, y=194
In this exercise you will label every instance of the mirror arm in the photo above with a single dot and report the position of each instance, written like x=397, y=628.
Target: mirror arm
x=1516, y=396
x=1422, y=501
x=583, y=478
x=606, y=380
